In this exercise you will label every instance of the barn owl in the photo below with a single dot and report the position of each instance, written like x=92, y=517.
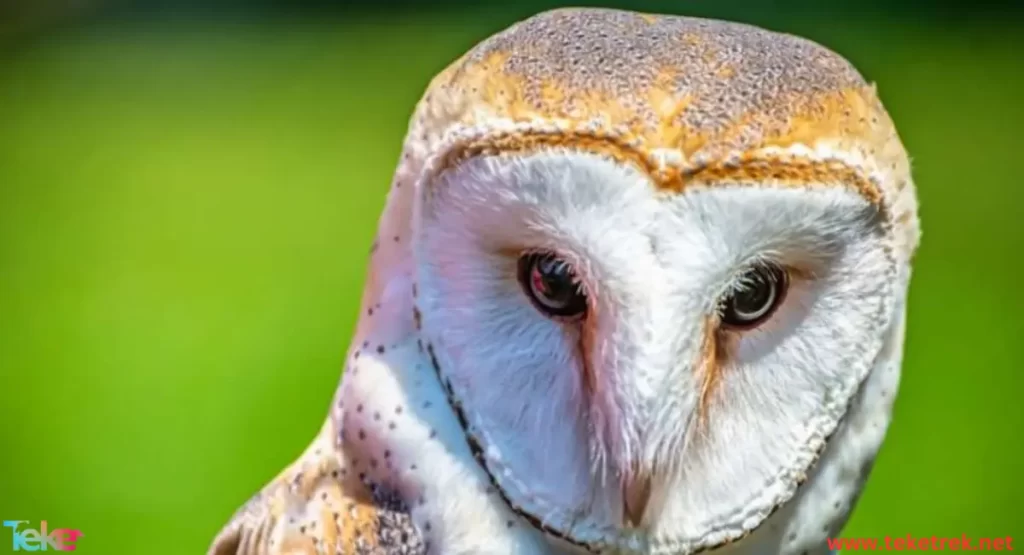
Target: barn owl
x=639, y=287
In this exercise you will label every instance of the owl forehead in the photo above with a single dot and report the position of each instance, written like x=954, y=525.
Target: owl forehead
x=649, y=71
x=688, y=101
x=673, y=93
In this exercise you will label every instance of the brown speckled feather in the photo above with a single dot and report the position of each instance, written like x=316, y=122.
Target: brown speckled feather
x=316, y=507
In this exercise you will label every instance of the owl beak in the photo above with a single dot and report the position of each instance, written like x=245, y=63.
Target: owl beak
x=636, y=492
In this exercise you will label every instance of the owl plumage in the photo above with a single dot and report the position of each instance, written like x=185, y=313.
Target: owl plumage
x=659, y=158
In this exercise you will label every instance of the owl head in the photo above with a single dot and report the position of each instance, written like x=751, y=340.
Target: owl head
x=659, y=268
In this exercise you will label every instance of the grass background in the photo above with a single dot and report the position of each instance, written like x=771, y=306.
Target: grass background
x=186, y=204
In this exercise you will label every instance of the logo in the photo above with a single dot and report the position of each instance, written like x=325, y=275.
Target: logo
x=27, y=539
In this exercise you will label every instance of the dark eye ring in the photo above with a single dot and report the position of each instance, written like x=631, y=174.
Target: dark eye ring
x=760, y=292
x=551, y=285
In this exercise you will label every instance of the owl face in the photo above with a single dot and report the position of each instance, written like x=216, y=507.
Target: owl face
x=659, y=270
x=635, y=366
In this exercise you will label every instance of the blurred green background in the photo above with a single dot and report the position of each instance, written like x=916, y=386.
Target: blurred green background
x=188, y=192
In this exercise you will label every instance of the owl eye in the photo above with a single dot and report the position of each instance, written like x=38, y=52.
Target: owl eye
x=760, y=292
x=551, y=285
